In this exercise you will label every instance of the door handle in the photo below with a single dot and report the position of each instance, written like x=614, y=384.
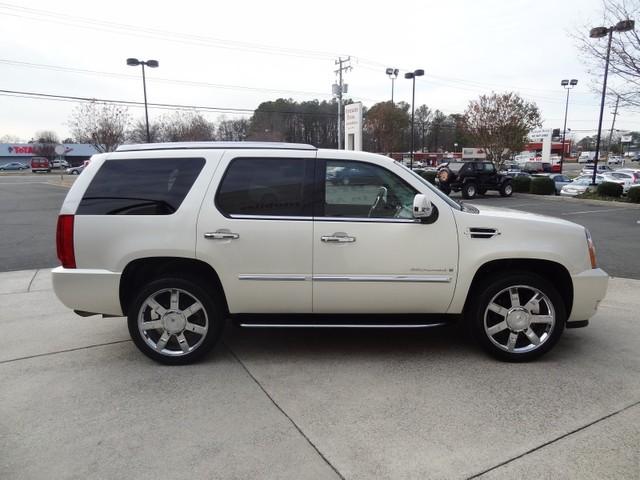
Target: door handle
x=338, y=237
x=221, y=234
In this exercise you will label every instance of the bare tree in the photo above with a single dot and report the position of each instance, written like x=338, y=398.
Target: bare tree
x=624, y=60
x=8, y=138
x=103, y=125
x=232, y=130
x=186, y=127
x=45, y=144
x=499, y=123
x=138, y=132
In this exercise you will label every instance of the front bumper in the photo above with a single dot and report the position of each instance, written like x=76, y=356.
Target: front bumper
x=89, y=290
x=589, y=288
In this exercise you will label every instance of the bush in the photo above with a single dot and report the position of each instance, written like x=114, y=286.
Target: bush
x=609, y=189
x=429, y=176
x=634, y=195
x=542, y=186
x=521, y=184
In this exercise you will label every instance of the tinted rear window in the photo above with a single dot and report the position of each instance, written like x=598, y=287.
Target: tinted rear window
x=150, y=186
x=266, y=186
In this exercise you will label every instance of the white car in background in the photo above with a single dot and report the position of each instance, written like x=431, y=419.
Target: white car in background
x=579, y=185
x=588, y=170
x=615, y=160
x=621, y=178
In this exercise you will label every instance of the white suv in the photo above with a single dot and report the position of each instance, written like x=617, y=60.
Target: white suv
x=179, y=237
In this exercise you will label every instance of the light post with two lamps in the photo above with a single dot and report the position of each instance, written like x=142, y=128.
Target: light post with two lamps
x=393, y=74
x=134, y=62
x=412, y=76
x=568, y=85
x=599, y=32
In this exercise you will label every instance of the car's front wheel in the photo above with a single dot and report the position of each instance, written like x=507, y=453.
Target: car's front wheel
x=174, y=321
x=517, y=317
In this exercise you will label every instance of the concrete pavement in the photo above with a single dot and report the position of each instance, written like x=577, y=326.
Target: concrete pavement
x=77, y=400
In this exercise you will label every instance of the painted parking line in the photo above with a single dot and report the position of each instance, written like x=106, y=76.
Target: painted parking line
x=617, y=209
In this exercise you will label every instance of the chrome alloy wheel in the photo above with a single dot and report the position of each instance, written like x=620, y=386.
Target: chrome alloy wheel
x=519, y=319
x=173, y=322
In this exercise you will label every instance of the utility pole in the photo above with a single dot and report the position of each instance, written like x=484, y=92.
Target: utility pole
x=613, y=123
x=339, y=89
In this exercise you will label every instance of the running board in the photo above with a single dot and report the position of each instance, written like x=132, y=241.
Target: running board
x=320, y=320
x=340, y=325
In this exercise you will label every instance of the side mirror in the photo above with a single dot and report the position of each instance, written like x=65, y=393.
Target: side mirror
x=422, y=207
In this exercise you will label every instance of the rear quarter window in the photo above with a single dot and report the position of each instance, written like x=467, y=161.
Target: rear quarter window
x=150, y=186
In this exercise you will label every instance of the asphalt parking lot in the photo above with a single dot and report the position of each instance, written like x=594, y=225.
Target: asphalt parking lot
x=79, y=401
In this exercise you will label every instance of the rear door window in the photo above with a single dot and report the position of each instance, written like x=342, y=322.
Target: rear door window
x=150, y=186
x=267, y=187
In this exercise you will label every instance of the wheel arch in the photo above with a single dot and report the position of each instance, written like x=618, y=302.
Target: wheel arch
x=142, y=270
x=551, y=271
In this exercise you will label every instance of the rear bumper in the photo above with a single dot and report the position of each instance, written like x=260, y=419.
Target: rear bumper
x=89, y=290
x=589, y=288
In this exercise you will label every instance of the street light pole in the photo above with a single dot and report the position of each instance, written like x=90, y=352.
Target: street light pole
x=568, y=85
x=412, y=76
x=599, y=32
x=393, y=74
x=134, y=62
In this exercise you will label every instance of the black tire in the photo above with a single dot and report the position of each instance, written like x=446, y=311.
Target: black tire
x=200, y=330
x=506, y=189
x=494, y=333
x=469, y=190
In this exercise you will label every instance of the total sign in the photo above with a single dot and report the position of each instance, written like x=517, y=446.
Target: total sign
x=18, y=150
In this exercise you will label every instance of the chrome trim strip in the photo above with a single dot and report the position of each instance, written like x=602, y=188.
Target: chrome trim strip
x=383, y=278
x=340, y=325
x=268, y=217
x=366, y=219
x=269, y=277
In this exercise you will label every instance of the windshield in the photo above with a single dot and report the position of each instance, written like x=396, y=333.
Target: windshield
x=455, y=166
x=450, y=202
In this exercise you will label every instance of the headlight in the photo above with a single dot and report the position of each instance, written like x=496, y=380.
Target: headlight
x=592, y=249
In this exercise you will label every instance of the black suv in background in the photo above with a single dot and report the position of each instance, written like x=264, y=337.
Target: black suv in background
x=472, y=178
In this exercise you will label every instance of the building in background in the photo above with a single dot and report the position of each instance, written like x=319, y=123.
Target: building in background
x=75, y=153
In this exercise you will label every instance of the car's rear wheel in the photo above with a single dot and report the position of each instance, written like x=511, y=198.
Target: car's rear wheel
x=506, y=189
x=174, y=321
x=518, y=317
x=469, y=190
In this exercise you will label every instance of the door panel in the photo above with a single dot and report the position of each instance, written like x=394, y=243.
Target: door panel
x=390, y=263
x=257, y=232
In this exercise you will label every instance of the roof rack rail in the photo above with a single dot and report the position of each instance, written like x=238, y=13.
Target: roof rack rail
x=139, y=147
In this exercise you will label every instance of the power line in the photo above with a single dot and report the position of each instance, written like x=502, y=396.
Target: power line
x=60, y=68
x=127, y=103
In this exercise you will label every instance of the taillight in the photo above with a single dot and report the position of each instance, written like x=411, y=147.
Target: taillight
x=64, y=241
x=592, y=249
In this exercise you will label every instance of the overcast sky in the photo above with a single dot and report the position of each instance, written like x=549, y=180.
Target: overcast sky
x=235, y=54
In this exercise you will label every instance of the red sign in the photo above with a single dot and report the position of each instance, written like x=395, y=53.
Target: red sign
x=18, y=150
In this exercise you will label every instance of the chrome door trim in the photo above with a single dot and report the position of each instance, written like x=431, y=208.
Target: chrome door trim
x=365, y=219
x=270, y=277
x=383, y=278
x=268, y=217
